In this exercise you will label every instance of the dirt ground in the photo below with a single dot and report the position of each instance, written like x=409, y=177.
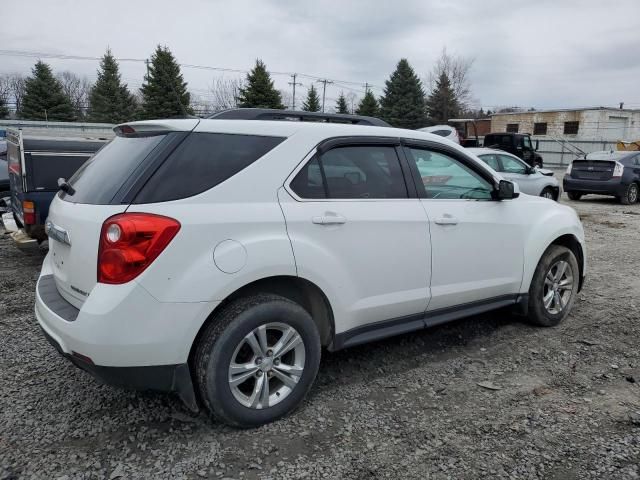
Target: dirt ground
x=566, y=403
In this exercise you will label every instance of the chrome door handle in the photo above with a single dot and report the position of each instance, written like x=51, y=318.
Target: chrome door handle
x=329, y=219
x=446, y=219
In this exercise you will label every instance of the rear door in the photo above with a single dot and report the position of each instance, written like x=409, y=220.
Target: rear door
x=358, y=232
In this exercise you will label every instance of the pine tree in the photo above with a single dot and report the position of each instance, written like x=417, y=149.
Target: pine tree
x=259, y=91
x=368, y=105
x=4, y=108
x=312, y=102
x=164, y=92
x=403, y=102
x=110, y=101
x=44, y=98
x=341, y=104
x=442, y=104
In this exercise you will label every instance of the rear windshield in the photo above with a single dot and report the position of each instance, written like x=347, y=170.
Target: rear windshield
x=99, y=179
x=203, y=161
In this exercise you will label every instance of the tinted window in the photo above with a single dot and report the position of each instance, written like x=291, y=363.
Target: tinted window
x=512, y=165
x=363, y=172
x=308, y=182
x=444, y=177
x=442, y=133
x=99, y=179
x=202, y=161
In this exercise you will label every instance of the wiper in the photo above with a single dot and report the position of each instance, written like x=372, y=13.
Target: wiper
x=65, y=187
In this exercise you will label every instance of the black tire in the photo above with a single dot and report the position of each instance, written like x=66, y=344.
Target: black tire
x=538, y=314
x=631, y=195
x=217, y=347
x=548, y=192
x=575, y=196
x=4, y=207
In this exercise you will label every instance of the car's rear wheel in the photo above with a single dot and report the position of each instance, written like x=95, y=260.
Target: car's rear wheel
x=574, y=196
x=547, y=192
x=256, y=360
x=631, y=195
x=554, y=287
x=5, y=201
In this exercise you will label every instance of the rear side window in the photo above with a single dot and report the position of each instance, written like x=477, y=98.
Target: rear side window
x=99, y=179
x=202, y=161
x=359, y=172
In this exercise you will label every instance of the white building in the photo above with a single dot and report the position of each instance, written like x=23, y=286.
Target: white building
x=598, y=123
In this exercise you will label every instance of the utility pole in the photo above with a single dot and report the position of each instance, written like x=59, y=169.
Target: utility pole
x=146, y=61
x=366, y=87
x=324, y=90
x=294, y=83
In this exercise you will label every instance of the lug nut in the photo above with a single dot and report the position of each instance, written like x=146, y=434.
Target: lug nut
x=259, y=373
x=269, y=353
x=258, y=361
x=276, y=361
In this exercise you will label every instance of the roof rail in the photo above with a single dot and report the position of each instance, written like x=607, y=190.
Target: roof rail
x=296, y=116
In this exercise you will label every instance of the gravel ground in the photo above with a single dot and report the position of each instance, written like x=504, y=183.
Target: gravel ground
x=566, y=403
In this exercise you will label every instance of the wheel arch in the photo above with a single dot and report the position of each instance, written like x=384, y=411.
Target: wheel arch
x=304, y=292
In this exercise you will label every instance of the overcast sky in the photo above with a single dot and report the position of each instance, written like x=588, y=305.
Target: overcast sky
x=539, y=53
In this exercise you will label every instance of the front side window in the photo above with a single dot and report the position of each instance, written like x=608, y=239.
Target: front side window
x=357, y=172
x=444, y=177
x=512, y=165
x=526, y=143
x=491, y=160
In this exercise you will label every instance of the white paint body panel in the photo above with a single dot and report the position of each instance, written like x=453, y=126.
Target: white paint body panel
x=388, y=260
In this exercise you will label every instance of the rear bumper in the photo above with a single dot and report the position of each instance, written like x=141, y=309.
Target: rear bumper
x=122, y=335
x=613, y=186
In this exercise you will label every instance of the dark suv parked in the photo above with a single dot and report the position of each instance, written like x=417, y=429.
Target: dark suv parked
x=605, y=173
x=518, y=144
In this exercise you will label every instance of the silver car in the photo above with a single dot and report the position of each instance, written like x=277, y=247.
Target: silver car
x=531, y=180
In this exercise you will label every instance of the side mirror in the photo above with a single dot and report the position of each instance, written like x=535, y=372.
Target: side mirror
x=506, y=190
x=536, y=145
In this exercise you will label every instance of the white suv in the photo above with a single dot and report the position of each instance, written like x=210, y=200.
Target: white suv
x=216, y=258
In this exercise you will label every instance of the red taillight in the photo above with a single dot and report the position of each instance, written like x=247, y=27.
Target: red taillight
x=130, y=242
x=29, y=212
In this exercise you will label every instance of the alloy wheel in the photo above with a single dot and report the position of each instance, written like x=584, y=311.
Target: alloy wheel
x=266, y=365
x=558, y=287
x=633, y=193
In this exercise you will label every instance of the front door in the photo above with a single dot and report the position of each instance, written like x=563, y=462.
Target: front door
x=360, y=234
x=476, y=241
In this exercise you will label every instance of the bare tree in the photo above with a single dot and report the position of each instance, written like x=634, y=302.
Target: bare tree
x=352, y=101
x=17, y=87
x=224, y=93
x=5, y=87
x=287, y=98
x=77, y=89
x=457, y=69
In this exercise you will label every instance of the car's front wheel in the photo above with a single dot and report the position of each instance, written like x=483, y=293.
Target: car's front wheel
x=256, y=360
x=548, y=192
x=554, y=287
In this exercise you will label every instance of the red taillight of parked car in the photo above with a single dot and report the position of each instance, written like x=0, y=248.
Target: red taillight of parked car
x=130, y=242
x=29, y=212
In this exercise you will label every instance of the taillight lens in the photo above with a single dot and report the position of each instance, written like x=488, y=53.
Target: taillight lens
x=130, y=242
x=29, y=212
x=618, y=170
x=569, y=169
